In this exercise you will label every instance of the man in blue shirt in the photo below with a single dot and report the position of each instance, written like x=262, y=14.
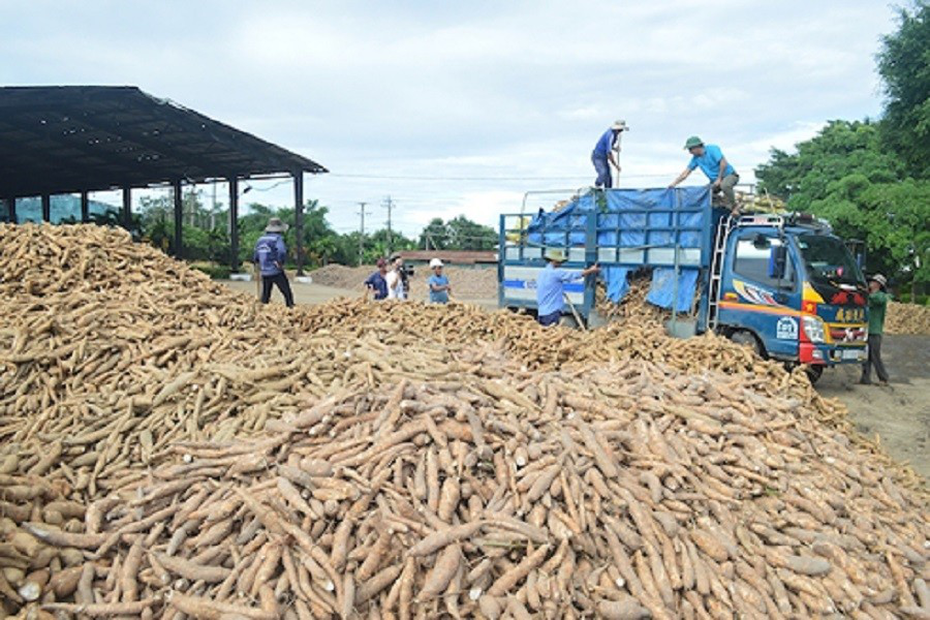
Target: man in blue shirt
x=710, y=159
x=550, y=287
x=605, y=153
x=439, y=288
x=270, y=254
x=377, y=283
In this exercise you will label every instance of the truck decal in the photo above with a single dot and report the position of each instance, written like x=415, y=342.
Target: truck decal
x=738, y=305
x=754, y=294
x=787, y=328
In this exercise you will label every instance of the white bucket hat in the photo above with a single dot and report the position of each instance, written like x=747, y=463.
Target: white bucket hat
x=620, y=124
x=435, y=263
x=275, y=225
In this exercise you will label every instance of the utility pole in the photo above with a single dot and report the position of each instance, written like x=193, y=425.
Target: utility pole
x=361, y=232
x=389, y=205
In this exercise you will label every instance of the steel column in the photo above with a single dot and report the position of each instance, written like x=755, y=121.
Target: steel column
x=85, y=207
x=10, y=204
x=46, y=207
x=234, y=223
x=299, y=219
x=178, y=221
x=127, y=208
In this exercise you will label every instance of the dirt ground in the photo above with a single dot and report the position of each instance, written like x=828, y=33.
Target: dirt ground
x=899, y=414
x=317, y=293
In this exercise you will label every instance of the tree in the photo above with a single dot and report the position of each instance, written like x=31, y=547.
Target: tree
x=434, y=236
x=844, y=175
x=465, y=234
x=904, y=64
x=459, y=233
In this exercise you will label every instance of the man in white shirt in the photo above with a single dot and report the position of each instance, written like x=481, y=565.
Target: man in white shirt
x=395, y=280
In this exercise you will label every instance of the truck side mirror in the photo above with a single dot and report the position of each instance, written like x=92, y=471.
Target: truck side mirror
x=778, y=257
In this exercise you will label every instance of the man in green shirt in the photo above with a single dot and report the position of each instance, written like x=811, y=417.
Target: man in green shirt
x=878, y=302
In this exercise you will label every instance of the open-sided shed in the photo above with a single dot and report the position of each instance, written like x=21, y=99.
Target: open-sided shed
x=79, y=139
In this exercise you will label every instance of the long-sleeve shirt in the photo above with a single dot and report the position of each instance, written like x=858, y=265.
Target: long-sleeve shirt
x=550, y=288
x=377, y=283
x=270, y=253
x=878, y=302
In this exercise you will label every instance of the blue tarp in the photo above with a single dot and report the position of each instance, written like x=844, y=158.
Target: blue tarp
x=625, y=219
x=617, y=284
x=662, y=290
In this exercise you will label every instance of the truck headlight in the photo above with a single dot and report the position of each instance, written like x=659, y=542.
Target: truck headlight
x=814, y=328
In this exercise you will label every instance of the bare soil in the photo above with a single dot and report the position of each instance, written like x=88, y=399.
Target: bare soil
x=898, y=414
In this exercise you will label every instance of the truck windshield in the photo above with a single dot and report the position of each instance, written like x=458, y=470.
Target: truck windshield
x=828, y=260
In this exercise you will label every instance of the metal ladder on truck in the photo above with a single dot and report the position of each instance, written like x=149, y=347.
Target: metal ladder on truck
x=716, y=270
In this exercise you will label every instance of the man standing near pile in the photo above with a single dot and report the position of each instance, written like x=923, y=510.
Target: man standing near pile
x=377, y=282
x=270, y=254
x=606, y=152
x=550, y=286
x=438, y=284
x=878, y=303
x=710, y=158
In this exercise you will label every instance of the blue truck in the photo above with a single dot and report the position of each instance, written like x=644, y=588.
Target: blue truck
x=781, y=283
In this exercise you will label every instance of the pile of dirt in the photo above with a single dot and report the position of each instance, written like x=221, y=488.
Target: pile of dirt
x=169, y=447
x=478, y=283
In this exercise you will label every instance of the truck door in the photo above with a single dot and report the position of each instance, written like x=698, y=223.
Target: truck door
x=760, y=291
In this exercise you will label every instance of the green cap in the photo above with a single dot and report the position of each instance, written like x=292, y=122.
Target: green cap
x=554, y=255
x=692, y=142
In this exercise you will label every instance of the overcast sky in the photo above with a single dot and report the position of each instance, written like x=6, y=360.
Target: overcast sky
x=461, y=107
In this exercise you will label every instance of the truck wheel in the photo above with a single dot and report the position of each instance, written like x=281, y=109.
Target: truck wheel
x=813, y=373
x=744, y=337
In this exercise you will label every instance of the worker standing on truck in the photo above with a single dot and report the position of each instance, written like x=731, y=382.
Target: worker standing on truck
x=878, y=302
x=550, y=286
x=606, y=152
x=270, y=253
x=710, y=158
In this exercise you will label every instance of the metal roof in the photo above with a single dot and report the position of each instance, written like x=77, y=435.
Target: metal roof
x=61, y=139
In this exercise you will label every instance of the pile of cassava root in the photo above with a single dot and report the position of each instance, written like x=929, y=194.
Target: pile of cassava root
x=171, y=449
x=907, y=319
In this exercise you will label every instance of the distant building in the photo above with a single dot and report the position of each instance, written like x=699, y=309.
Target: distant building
x=457, y=258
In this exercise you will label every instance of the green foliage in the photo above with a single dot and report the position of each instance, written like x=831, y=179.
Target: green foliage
x=217, y=272
x=844, y=175
x=459, y=233
x=904, y=64
x=206, y=239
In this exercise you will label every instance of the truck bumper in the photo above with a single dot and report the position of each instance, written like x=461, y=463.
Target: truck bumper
x=830, y=355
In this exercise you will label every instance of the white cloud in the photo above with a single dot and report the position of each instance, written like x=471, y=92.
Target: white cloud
x=467, y=93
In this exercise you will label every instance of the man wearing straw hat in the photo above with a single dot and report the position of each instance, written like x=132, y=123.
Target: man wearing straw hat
x=878, y=302
x=270, y=254
x=605, y=153
x=550, y=286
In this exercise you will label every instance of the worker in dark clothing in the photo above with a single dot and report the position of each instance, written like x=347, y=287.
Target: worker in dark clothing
x=376, y=283
x=605, y=153
x=878, y=303
x=270, y=253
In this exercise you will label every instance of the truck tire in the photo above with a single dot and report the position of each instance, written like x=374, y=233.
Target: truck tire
x=741, y=336
x=814, y=372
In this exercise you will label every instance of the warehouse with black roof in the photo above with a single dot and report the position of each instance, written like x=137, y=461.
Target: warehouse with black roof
x=81, y=139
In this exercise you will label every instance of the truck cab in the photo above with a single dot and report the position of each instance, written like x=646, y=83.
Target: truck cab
x=791, y=289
